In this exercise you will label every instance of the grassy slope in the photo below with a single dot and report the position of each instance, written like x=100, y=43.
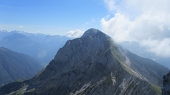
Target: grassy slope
x=122, y=59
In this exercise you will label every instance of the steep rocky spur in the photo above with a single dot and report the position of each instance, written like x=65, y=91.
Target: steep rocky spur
x=94, y=65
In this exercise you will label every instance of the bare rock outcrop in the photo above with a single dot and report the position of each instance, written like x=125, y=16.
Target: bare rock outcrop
x=95, y=65
x=166, y=84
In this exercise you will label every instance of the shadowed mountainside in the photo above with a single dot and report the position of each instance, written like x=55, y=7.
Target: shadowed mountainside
x=15, y=66
x=41, y=47
x=93, y=65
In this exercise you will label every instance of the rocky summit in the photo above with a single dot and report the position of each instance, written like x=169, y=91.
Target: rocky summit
x=93, y=65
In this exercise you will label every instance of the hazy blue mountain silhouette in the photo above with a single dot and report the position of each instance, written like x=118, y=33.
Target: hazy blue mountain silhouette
x=41, y=47
x=16, y=66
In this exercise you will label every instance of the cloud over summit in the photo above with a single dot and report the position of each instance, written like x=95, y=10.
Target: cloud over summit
x=144, y=21
x=75, y=33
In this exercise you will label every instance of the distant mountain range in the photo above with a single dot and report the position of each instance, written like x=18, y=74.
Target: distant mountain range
x=40, y=46
x=141, y=51
x=16, y=66
x=93, y=65
x=44, y=47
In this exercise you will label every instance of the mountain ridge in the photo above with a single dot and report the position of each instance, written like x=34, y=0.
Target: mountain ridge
x=15, y=66
x=40, y=46
x=94, y=65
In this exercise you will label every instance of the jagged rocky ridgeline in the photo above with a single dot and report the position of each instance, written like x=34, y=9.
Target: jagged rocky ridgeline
x=93, y=65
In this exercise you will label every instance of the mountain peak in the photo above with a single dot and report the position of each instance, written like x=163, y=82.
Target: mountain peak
x=91, y=32
x=95, y=65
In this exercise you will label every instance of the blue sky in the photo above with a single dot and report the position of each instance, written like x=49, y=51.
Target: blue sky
x=51, y=16
x=146, y=22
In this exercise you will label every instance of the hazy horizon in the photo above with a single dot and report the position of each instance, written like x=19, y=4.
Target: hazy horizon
x=141, y=21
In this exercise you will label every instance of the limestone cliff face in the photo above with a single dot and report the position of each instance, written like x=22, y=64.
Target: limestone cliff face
x=95, y=65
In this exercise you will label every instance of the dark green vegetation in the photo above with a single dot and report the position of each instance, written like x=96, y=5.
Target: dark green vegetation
x=15, y=66
x=94, y=65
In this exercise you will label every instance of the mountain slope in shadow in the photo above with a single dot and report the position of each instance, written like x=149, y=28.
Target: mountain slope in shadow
x=93, y=65
x=16, y=66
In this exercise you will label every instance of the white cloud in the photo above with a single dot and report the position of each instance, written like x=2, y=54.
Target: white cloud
x=159, y=47
x=110, y=4
x=117, y=27
x=20, y=26
x=75, y=33
x=143, y=21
